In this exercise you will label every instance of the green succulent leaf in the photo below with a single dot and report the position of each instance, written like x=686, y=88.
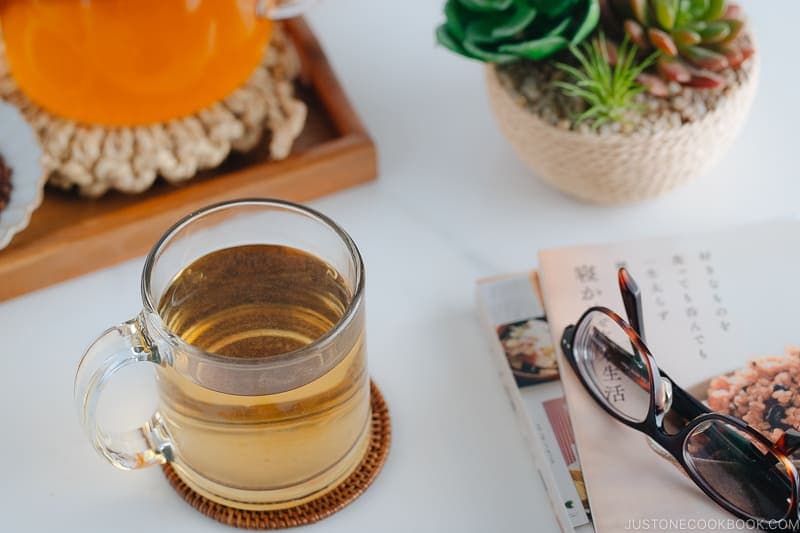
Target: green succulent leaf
x=735, y=27
x=588, y=24
x=455, y=19
x=487, y=54
x=698, y=25
x=444, y=38
x=695, y=8
x=666, y=11
x=517, y=22
x=715, y=10
x=686, y=37
x=501, y=27
x=480, y=30
x=715, y=32
x=486, y=6
x=705, y=58
x=537, y=49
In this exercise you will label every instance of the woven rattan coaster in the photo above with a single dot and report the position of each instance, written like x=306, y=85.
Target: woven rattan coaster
x=315, y=510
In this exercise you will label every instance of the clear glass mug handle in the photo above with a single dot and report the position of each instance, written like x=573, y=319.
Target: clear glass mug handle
x=117, y=348
x=282, y=9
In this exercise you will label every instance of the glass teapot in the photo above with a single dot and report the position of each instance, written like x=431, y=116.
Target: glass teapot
x=124, y=63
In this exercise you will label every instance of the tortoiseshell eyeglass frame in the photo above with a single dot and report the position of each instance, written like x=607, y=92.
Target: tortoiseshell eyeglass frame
x=673, y=400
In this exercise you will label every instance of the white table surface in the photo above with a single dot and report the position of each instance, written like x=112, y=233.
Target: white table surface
x=452, y=205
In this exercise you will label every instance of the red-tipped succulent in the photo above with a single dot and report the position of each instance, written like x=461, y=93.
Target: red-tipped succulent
x=696, y=39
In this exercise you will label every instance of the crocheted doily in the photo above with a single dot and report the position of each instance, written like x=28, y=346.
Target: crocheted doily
x=95, y=159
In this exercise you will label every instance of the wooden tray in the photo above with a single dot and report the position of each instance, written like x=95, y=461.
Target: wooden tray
x=69, y=236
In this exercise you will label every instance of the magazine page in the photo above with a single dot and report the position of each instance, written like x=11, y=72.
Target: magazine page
x=521, y=340
x=711, y=302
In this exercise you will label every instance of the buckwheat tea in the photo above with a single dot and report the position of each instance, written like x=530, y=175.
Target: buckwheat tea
x=252, y=302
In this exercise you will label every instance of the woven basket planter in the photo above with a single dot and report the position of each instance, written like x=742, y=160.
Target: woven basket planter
x=619, y=168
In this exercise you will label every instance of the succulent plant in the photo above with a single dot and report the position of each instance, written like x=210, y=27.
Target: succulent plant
x=696, y=38
x=500, y=31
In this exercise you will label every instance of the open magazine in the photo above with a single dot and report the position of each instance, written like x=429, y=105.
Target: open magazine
x=711, y=302
x=513, y=315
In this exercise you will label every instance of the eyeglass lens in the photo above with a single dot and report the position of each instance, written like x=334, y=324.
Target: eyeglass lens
x=616, y=371
x=739, y=468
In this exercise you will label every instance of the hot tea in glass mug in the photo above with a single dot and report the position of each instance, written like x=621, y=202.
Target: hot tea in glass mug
x=126, y=63
x=254, y=322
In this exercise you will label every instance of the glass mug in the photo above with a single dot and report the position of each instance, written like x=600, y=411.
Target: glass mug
x=268, y=404
x=125, y=63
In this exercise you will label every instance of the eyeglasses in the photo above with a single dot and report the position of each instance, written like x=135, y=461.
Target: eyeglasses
x=732, y=462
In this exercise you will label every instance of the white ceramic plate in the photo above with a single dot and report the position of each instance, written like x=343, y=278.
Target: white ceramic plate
x=21, y=152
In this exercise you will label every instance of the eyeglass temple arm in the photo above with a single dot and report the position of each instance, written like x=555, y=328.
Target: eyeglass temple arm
x=632, y=298
x=683, y=403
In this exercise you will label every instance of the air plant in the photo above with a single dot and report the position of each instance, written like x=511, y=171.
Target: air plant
x=605, y=79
